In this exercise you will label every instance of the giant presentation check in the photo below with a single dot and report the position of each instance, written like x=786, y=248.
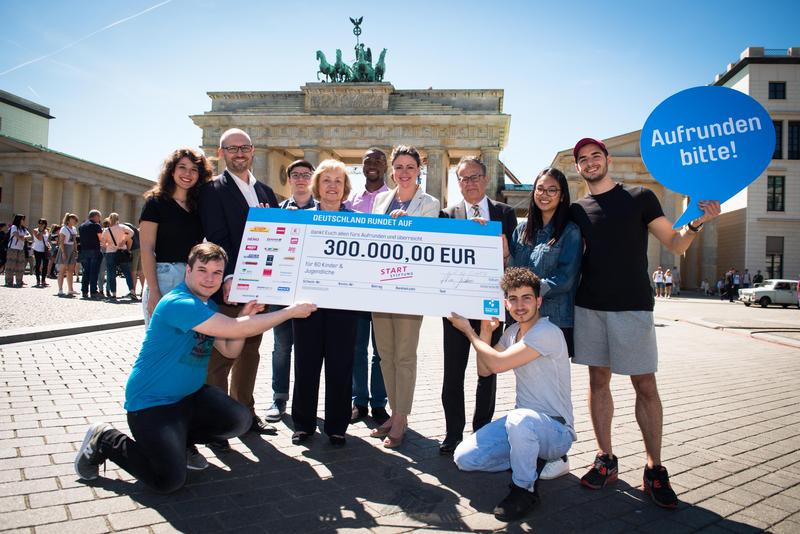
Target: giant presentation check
x=357, y=261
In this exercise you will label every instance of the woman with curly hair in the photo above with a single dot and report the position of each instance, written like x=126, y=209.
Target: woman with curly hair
x=169, y=225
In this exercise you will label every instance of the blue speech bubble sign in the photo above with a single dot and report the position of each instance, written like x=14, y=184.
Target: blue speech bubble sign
x=708, y=143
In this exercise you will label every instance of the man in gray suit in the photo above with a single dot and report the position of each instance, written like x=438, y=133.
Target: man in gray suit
x=472, y=181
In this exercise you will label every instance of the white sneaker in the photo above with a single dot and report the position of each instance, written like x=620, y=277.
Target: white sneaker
x=275, y=411
x=555, y=468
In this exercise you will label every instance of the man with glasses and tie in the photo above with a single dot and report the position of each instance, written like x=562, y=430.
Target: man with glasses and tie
x=299, y=173
x=472, y=180
x=224, y=204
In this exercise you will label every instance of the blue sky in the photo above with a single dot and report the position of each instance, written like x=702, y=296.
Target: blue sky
x=122, y=96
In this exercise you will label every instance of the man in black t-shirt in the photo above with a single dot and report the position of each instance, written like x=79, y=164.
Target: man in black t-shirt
x=614, y=330
x=89, y=233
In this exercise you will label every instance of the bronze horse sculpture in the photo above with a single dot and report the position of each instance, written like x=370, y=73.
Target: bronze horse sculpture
x=324, y=67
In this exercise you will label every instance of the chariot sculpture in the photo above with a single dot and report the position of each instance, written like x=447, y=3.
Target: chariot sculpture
x=361, y=70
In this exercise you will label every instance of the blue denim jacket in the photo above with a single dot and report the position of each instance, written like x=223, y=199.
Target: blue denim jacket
x=557, y=265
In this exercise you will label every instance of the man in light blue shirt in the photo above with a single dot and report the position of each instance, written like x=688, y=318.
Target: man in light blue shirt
x=170, y=408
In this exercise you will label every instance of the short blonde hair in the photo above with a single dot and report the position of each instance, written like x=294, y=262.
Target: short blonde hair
x=67, y=217
x=330, y=165
x=113, y=218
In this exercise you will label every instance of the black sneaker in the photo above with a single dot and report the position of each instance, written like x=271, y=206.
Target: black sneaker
x=194, y=460
x=517, y=504
x=656, y=484
x=89, y=458
x=258, y=426
x=602, y=473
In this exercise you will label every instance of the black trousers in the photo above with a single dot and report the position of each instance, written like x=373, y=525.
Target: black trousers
x=456, y=356
x=328, y=336
x=156, y=454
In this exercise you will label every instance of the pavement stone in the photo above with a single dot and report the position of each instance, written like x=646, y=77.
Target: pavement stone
x=732, y=444
x=56, y=310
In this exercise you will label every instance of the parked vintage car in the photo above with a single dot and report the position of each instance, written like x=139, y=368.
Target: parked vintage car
x=773, y=291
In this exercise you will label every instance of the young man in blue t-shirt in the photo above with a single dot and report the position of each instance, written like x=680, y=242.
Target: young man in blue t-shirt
x=169, y=405
x=541, y=426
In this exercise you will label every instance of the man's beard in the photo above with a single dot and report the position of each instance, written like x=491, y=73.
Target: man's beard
x=238, y=166
x=600, y=175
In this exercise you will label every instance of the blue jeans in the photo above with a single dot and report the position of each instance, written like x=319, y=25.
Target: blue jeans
x=90, y=262
x=156, y=455
x=514, y=441
x=168, y=276
x=111, y=273
x=361, y=394
x=281, y=357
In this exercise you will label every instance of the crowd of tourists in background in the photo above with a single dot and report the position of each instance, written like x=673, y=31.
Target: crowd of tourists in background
x=92, y=253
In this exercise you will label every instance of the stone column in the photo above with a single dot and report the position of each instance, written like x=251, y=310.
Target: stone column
x=273, y=166
x=37, y=197
x=7, y=204
x=708, y=252
x=438, y=162
x=489, y=156
x=138, y=204
x=96, y=199
x=119, y=205
x=68, y=198
x=260, y=164
x=312, y=155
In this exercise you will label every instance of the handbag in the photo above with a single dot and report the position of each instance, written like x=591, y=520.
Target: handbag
x=123, y=255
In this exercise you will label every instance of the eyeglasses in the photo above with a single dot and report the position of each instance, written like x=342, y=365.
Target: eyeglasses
x=470, y=179
x=300, y=175
x=549, y=191
x=244, y=149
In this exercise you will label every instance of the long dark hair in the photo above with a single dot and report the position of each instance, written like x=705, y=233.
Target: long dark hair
x=165, y=187
x=560, y=217
x=17, y=221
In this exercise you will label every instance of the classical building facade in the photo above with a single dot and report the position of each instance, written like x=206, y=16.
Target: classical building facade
x=342, y=120
x=39, y=182
x=770, y=225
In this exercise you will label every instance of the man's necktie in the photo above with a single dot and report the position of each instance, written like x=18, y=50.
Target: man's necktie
x=476, y=210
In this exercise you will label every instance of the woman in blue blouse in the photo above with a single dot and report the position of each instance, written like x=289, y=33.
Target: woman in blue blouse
x=549, y=244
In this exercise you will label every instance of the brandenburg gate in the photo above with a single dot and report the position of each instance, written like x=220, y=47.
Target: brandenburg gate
x=341, y=120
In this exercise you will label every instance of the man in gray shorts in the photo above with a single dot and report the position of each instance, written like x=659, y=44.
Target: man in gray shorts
x=614, y=331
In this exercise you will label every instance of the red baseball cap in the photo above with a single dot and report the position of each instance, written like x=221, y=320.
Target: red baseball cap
x=588, y=141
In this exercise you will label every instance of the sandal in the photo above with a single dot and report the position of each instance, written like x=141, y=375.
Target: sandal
x=380, y=432
x=392, y=442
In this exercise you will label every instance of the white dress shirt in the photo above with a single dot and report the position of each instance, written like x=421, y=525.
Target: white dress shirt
x=247, y=189
x=483, y=205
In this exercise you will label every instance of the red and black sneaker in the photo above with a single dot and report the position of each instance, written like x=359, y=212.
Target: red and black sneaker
x=656, y=484
x=602, y=473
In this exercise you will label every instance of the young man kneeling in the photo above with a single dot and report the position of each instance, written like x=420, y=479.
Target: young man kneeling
x=170, y=408
x=541, y=425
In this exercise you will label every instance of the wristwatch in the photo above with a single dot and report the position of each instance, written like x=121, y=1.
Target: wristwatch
x=694, y=229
